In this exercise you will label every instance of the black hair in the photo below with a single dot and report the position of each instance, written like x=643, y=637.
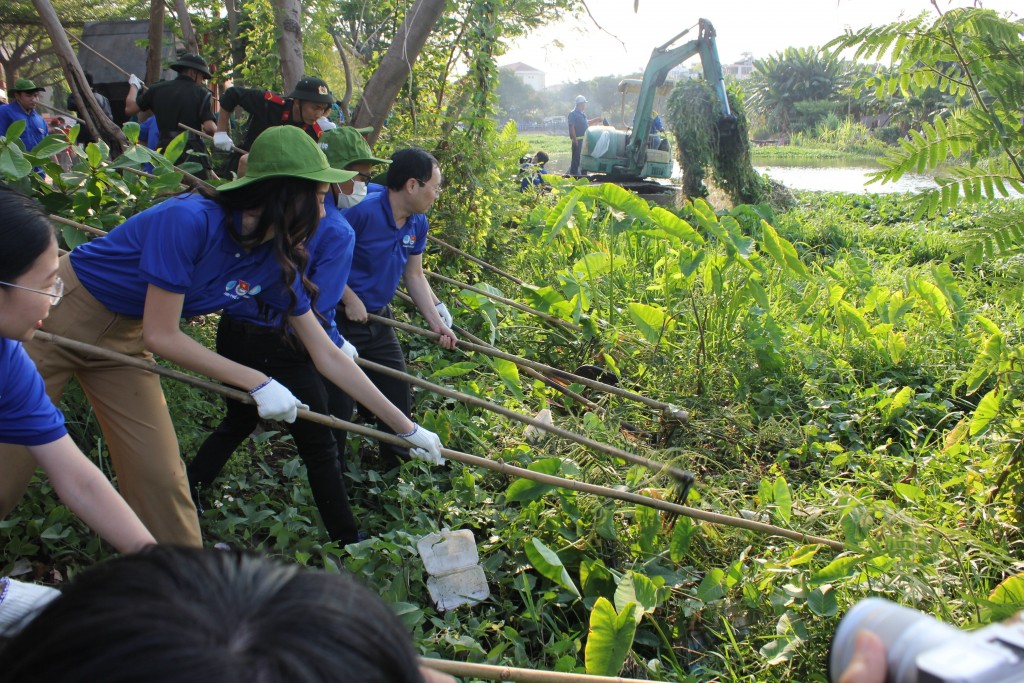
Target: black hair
x=88, y=79
x=25, y=232
x=192, y=615
x=291, y=207
x=541, y=158
x=410, y=163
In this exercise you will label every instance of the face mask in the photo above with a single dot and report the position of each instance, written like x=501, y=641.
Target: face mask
x=347, y=201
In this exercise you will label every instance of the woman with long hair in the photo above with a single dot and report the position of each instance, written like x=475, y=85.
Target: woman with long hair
x=188, y=256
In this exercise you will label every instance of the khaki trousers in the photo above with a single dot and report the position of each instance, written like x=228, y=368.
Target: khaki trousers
x=129, y=405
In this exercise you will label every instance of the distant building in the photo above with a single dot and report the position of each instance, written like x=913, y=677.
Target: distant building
x=741, y=69
x=530, y=76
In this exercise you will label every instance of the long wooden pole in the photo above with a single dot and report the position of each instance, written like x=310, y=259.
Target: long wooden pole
x=208, y=137
x=508, y=302
x=489, y=672
x=465, y=458
x=96, y=52
x=686, y=478
x=478, y=261
x=668, y=410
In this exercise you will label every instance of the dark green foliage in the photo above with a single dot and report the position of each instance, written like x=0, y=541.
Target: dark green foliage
x=707, y=142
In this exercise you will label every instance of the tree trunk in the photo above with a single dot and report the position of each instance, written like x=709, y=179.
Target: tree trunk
x=289, y=42
x=237, y=44
x=188, y=34
x=155, y=43
x=89, y=110
x=347, y=97
x=382, y=88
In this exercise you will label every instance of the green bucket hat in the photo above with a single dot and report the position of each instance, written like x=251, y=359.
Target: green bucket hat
x=312, y=89
x=190, y=60
x=344, y=146
x=25, y=85
x=286, y=152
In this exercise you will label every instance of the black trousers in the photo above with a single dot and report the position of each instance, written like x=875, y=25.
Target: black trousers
x=375, y=342
x=574, y=162
x=264, y=349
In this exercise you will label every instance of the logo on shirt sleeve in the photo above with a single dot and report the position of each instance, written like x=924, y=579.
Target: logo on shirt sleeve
x=240, y=289
x=409, y=241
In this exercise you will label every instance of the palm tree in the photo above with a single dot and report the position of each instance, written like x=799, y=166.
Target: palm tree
x=796, y=75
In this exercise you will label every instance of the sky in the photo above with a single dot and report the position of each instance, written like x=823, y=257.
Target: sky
x=575, y=49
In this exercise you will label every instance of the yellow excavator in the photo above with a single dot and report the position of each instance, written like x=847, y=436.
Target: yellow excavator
x=632, y=156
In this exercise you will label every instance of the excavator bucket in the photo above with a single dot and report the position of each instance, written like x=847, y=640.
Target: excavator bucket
x=727, y=128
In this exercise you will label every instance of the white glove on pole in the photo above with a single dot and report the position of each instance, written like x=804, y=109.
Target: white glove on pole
x=446, y=315
x=275, y=402
x=349, y=349
x=222, y=141
x=136, y=81
x=426, y=445
x=19, y=602
x=325, y=124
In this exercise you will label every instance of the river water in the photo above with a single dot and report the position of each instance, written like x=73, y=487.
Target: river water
x=849, y=179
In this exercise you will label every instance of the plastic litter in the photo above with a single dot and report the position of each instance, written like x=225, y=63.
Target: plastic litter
x=452, y=563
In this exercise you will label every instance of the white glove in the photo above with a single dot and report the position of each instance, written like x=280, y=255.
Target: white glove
x=222, y=141
x=446, y=315
x=275, y=402
x=349, y=349
x=325, y=125
x=426, y=445
x=19, y=602
x=136, y=81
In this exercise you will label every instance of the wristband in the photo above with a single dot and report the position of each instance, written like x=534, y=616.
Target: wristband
x=257, y=388
x=415, y=427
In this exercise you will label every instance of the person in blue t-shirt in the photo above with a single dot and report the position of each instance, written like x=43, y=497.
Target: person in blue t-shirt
x=248, y=336
x=533, y=171
x=23, y=108
x=391, y=235
x=578, y=124
x=191, y=255
x=29, y=286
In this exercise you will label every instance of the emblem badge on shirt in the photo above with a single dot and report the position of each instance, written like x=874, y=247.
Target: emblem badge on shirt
x=409, y=241
x=240, y=289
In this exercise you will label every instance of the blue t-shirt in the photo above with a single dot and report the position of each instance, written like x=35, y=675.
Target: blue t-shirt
x=182, y=245
x=330, y=259
x=578, y=120
x=35, y=126
x=382, y=248
x=27, y=416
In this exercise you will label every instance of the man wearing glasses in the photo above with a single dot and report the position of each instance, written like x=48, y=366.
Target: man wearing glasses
x=306, y=107
x=391, y=235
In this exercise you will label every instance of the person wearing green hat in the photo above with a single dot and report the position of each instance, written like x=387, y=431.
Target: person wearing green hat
x=183, y=100
x=247, y=336
x=23, y=108
x=305, y=107
x=192, y=255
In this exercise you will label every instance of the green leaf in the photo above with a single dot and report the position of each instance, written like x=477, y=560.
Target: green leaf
x=640, y=590
x=546, y=562
x=782, y=250
x=898, y=405
x=710, y=587
x=908, y=492
x=455, y=369
x=987, y=410
x=679, y=546
x=595, y=579
x=648, y=523
x=13, y=164
x=527, y=490
x=803, y=555
x=609, y=639
x=509, y=374
x=822, y=601
x=652, y=321
x=15, y=130
x=783, y=499
x=839, y=568
x=175, y=148
x=1010, y=592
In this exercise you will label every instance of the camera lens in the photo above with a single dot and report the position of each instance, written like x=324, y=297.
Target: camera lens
x=905, y=632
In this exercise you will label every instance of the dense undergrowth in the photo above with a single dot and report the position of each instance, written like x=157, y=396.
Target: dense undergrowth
x=846, y=374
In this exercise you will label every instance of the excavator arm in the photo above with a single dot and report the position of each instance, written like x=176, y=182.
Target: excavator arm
x=663, y=59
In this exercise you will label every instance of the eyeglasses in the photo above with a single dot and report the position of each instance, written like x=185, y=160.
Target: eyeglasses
x=362, y=178
x=56, y=291
x=435, y=190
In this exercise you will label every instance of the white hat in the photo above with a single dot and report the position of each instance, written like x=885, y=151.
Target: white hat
x=580, y=99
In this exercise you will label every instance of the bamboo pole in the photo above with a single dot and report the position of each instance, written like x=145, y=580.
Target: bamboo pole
x=465, y=458
x=479, y=261
x=668, y=410
x=529, y=371
x=508, y=302
x=78, y=226
x=61, y=112
x=209, y=137
x=686, y=478
x=489, y=672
